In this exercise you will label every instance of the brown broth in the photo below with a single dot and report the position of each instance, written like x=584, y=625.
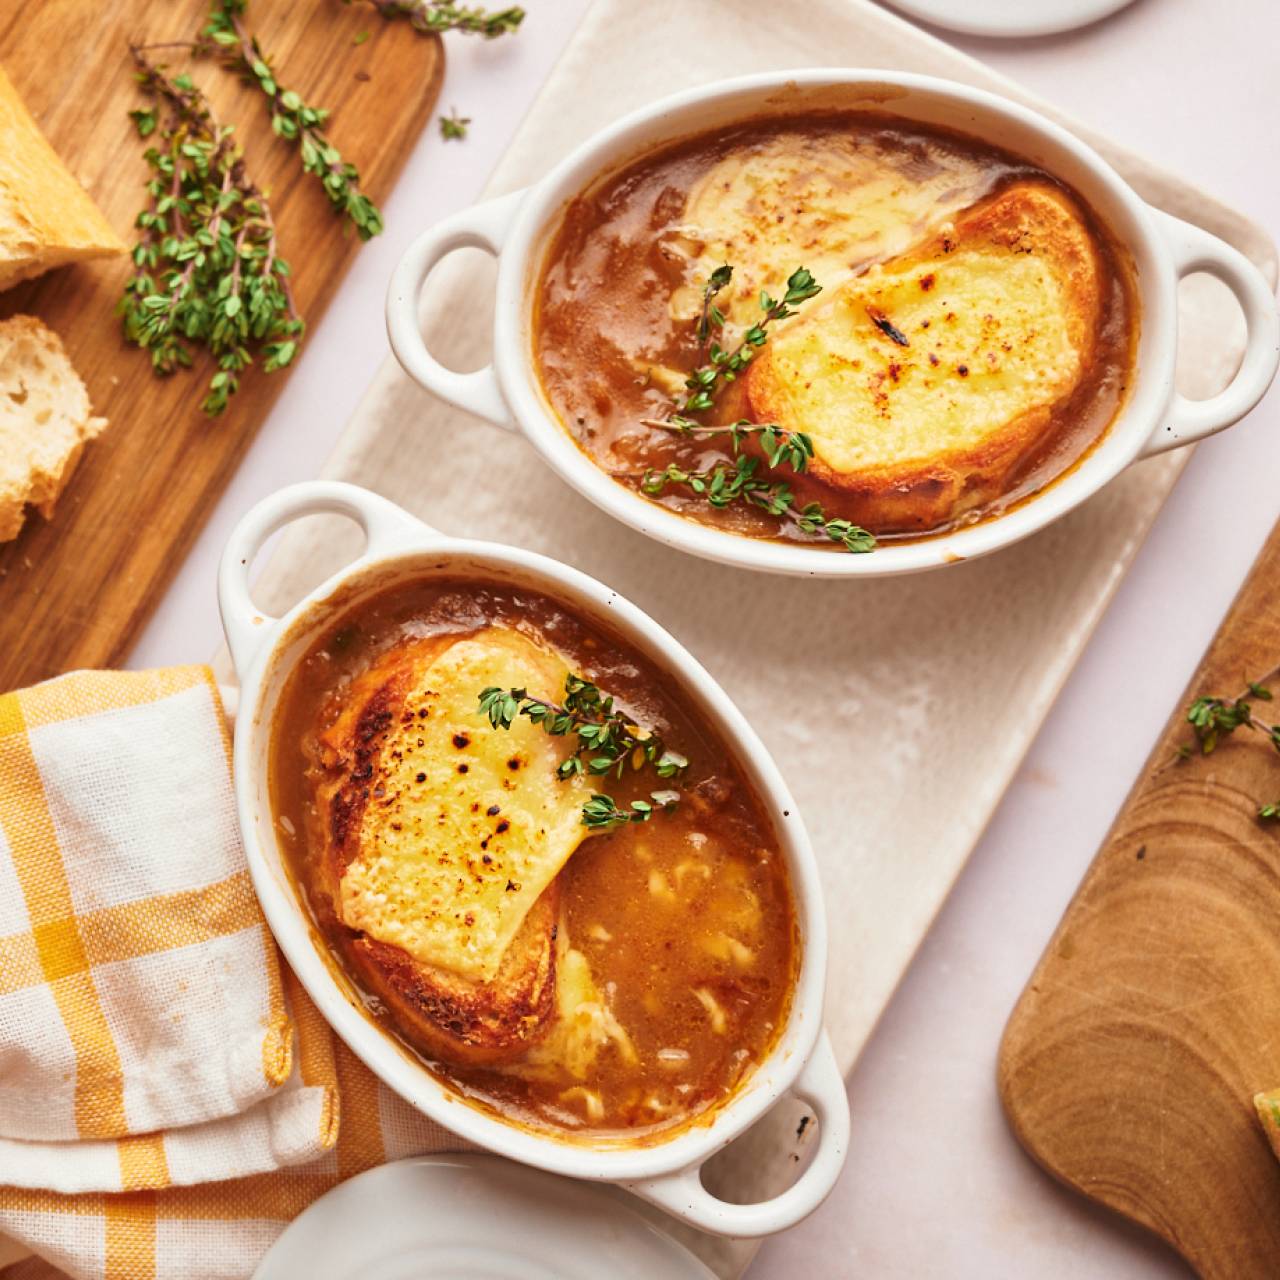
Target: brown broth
x=603, y=317
x=640, y=902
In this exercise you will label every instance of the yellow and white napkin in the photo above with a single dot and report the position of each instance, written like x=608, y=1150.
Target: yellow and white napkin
x=169, y=1097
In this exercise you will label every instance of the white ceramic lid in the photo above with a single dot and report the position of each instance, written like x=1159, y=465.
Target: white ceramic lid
x=1010, y=17
x=473, y=1217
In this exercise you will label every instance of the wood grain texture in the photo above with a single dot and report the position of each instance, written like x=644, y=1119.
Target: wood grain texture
x=1129, y=1066
x=75, y=591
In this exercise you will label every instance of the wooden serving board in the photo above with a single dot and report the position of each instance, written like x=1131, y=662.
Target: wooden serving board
x=74, y=592
x=1130, y=1063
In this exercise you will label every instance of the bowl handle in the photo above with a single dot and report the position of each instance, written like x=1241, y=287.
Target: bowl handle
x=483, y=226
x=1194, y=249
x=682, y=1194
x=386, y=526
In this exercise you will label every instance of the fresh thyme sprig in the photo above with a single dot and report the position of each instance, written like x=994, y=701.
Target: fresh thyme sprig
x=432, y=17
x=206, y=267
x=724, y=366
x=206, y=270
x=608, y=742
x=781, y=447
x=729, y=482
x=738, y=481
x=291, y=118
x=1213, y=718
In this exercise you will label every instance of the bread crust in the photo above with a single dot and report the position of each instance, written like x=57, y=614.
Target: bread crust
x=47, y=218
x=932, y=488
x=447, y=1017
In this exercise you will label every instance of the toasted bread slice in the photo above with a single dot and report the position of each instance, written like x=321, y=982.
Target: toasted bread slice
x=451, y=1018
x=46, y=217
x=925, y=382
x=444, y=837
x=45, y=421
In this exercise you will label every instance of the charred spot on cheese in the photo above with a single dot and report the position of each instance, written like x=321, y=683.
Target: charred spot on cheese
x=973, y=340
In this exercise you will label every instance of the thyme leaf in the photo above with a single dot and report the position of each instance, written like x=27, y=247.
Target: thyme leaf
x=602, y=811
x=453, y=127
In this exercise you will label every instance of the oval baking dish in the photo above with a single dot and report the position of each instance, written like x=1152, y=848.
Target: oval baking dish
x=1152, y=415
x=663, y=1167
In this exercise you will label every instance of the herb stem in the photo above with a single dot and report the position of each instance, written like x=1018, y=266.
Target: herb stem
x=1212, y=718
x=687, y=427
x=291, y=118
x=190, y=46
x=781, y=447
x=432, y=17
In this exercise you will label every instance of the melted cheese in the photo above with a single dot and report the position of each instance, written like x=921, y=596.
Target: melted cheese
x=460, y=844
x=989, y=338
x=584, y=1025
x=831, y=202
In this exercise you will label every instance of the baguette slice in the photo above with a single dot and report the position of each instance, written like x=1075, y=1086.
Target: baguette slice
x=45, y=421
x=926, y=382
x=46, y=217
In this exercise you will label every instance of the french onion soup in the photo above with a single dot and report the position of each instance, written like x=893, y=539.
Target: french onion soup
x=533, y=859
x=834, y=328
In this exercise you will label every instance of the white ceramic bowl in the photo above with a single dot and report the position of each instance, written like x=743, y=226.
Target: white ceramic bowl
x=516, y=229
x=265, y=650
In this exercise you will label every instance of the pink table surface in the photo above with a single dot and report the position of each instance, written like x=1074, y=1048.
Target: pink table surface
x=935, y=1186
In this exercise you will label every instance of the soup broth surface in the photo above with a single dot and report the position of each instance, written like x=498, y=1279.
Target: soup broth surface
x=620, y=287
x=686, y=922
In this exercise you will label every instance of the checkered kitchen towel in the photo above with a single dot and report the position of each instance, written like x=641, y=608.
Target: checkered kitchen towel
x=169, y=1097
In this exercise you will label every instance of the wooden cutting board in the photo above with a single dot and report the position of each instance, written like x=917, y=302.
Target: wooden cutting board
x=74, y=592
x=1129, y=1065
